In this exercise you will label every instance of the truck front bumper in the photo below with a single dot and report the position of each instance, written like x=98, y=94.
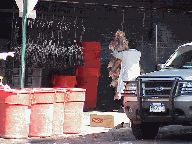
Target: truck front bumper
x=182, y=112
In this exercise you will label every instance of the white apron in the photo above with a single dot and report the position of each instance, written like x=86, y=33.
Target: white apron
x=130, y=68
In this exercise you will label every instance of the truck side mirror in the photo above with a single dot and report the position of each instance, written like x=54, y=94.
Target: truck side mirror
x=159, y=67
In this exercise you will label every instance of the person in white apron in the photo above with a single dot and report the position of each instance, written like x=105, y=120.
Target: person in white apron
x=130, y=67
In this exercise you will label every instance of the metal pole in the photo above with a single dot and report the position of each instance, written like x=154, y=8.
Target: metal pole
x=156, y=44
x=123, y=20
x=24, y=19
x=142, y=36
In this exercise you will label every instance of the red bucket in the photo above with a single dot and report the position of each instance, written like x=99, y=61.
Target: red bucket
x=15, y=115
x=42, y=112
x=90, y=95
x=64, y=81
x=92, y=63
x=41, y=120
x=86, y=80
x=87, y=55
x=91, y=46
x=87, y=72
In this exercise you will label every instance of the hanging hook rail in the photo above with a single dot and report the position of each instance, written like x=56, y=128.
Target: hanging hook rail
x=143, y=20
x=44, y=51
x=123, y=20
x=75, y=27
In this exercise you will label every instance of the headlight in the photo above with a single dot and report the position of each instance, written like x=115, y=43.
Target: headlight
x=130, y=87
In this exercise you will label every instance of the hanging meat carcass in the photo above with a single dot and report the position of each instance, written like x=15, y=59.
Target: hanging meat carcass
x=119, y=43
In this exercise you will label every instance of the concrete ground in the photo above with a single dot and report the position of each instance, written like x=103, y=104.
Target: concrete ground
x=118, y=119
x=117, y=135
x=86, y=129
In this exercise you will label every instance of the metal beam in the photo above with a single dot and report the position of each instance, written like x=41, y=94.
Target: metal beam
x=24, y=20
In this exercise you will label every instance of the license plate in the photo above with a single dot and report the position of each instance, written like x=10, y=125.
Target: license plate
x=157, y=107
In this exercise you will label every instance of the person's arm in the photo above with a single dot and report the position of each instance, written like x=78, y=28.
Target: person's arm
x=5, y=55
x=141, y=70
x=117, y=54
x=11, y=54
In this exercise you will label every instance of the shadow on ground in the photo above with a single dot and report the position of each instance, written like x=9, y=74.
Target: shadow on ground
x=169, y=134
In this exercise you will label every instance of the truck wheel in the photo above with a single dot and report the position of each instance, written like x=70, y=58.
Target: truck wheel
x=144, y=130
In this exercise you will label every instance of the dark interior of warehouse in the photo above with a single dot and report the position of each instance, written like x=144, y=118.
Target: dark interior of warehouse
x=157, y=27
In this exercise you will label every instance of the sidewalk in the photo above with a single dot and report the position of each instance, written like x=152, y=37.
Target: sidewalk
x=86, y=129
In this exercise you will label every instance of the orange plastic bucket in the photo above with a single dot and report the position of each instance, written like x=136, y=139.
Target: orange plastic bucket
x=73, y=115
x=73, y=110
x=87, y=80
x=15, y=115
x=42, y=112
x=87, y=55
x=90, y=83
x=64, y=81
x=58, y=118
x=90, y=46
x=87, y=72
x=41, y=120
x=90, y=95
x=14, y=121
x=92, y=63
x=58, y=112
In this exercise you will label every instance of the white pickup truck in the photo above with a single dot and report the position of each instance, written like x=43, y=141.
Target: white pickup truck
x=162, y=97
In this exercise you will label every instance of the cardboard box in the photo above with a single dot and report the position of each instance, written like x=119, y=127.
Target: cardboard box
x=101, y=120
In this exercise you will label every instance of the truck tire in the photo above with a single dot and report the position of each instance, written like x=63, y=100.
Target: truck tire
x=144, y=130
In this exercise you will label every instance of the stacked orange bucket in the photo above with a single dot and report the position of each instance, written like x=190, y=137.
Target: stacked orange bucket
x=15, y=115
x=64, y=81
x=87, y=76
x=41, y=112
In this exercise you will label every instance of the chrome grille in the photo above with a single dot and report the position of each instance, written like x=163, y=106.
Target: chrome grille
x=152, y=84
x=154, y=92
x=157, y=88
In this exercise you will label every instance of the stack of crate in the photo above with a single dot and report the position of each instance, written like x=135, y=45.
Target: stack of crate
x=87, y=76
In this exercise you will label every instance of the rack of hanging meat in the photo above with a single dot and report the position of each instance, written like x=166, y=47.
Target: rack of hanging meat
x=119, y=43
x=51, y=41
